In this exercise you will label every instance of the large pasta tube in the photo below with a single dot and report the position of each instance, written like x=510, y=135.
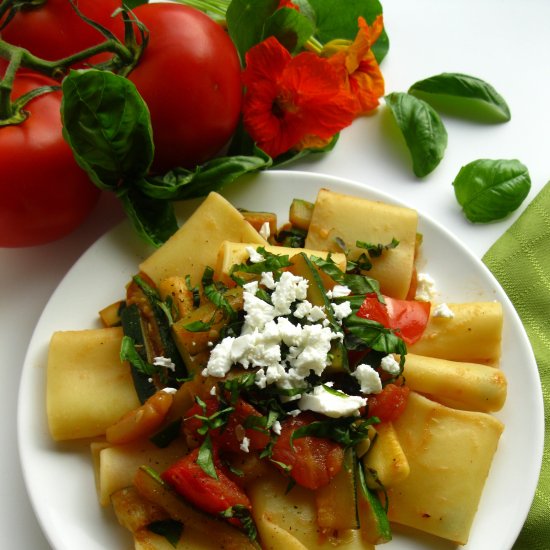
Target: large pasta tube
x=88, y=388
x=196, y=243
x=449, y=453
x=468, y=386
x=287, y=519
x=343, y=220
x=473, y=334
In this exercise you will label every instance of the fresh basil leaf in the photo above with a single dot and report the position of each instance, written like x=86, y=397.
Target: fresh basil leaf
x=245, y=22
x=337, y=19
x=170, y=529
x=242, y=513
x=375, y=250
x=358, y=284
x=466, y=95
x=379, y=513
x=422, y=128
x=292, y=156
x=271, y=262
x=291, y=28
x=107, y=124
x=154, y=220
x=348, y=431
x=129, y=353
x=490, y=189
x=180, y=183
x=205, y=458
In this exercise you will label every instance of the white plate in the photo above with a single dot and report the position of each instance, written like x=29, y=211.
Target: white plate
x=60, y=477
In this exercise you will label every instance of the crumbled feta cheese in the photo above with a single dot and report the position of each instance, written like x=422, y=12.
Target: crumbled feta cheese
x=443, y=310
x=258, y=313
x=294, y=412
x=390, y=365
x=267, y=280
x=339, y=291
x=251, y=287
x=425, y=289
x=368, y=379
x=265, y=230
x=245, y=444
x=341, y=311
x=330, y=404
x=213, y=390
x=254, y=256
x=219, y=362
x=164, y=362
x=306, y=310
x=288, y=290
x=276, y=427
x=169, y=390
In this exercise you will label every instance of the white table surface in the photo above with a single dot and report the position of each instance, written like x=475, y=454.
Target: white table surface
x=505, y=42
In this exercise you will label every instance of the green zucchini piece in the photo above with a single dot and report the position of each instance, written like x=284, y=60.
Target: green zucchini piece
x=130, y=318
x=375, y=526
x=337, y=501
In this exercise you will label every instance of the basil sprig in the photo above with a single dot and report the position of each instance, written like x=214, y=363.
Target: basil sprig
x=108, y=126
x=422, y=128
x=463, y=95
x=490, y=189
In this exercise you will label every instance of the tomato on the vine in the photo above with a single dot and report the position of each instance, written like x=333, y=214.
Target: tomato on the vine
x=189, y=76
x=44, y=193
x=53, y=29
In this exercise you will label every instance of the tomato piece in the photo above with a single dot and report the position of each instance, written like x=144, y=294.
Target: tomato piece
x=53, y=30
x=206, y=493
x=389, y=403
x=314, y=461
x=190, y=78
x=229, y=437
x=407, y=317
x=45, y=194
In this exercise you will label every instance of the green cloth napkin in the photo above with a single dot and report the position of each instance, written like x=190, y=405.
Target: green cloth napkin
x=520, y=260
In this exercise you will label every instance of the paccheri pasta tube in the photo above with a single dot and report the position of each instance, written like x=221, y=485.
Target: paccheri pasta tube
x=278, y=389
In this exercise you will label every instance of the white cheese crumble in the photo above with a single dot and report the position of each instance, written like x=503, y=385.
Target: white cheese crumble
x=368, y=379
x=443, y=310
x=276, y=427
x=164, y=362
x=254, y=256
x=328, y=403
x=169, y=390
x=339, y=291
x=265, y=230
x=245, y=444
x=341, y=311
x=390, y=365
x=266, y=328
x=425, y=289
x=213, y=390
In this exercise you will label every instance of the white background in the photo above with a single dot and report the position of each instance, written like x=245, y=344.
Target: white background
x=502, y=41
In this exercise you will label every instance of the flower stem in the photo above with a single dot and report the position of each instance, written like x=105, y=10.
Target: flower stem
x=6, y=85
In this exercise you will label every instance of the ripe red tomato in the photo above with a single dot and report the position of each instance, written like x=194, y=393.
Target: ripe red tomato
x=189, y=76
x=314, y=461
x=389, y=403
x=407, y=317
x=44, y=193
x=229, y=437
x=53, y=30
x=206, y=493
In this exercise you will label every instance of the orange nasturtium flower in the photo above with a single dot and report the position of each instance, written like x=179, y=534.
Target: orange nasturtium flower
x=293, y=102
x=359, y=66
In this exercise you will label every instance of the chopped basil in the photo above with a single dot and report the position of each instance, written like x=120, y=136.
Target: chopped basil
x=489, y=189
x=205, y=458
x=348, y=431
x=128, y=352
x=170, y=529
x=242, y=513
